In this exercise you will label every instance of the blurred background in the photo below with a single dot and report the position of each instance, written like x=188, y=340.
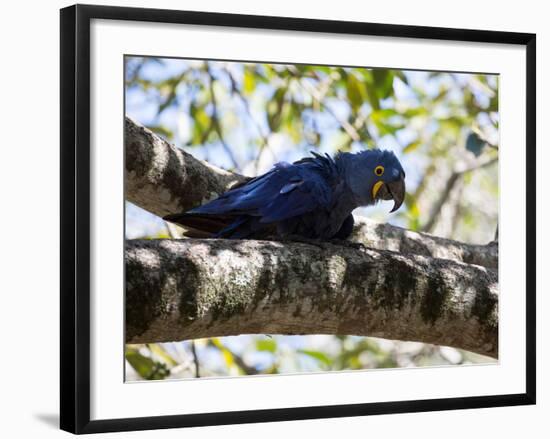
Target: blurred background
x=245, y=117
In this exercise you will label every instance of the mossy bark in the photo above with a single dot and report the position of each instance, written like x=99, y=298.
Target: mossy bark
x=186, y=289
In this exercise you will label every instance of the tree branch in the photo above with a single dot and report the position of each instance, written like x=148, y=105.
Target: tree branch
x=186, y=289
x=383, y=236
x=449, y=186
x=217, y=122
x=164, y=179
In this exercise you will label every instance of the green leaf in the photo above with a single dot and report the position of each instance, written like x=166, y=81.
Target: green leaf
x=159, y=351
x=202, y=118
x=493, y=103
x=144, y=83
x=319, y=356
x=201, y=124
x=401, y=75
x=373, y=97
x=170, y=99
x=386, y=113
x=274, y=109
x=249, y=80
x=228, y=358
x=292, y=120
x=443, y=91
x=388, y=121
x=474, y=144
x=167, y=88
x=266, y=345
x=413, y=112
x=227, y=355
x=356, y=91
x=146, y=367
x=383, y=81
x=412, y=146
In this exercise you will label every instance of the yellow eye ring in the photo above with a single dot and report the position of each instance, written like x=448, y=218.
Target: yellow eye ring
x=379, y=170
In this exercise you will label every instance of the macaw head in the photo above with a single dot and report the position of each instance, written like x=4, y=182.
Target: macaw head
x=374, y=175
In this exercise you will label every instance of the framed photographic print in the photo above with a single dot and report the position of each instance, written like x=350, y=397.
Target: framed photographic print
x=274, y=218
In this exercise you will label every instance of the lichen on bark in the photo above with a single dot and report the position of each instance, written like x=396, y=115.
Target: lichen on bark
x=184, y=289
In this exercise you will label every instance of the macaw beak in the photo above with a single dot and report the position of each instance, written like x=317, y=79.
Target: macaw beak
x=394, y=190
x=397, y=191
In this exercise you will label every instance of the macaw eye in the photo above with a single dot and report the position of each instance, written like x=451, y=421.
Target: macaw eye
x=379, y=170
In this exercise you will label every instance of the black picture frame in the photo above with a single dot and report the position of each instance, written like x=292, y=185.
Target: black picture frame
x=75, y=217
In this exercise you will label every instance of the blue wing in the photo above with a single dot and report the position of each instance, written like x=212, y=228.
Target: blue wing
x=284, y=192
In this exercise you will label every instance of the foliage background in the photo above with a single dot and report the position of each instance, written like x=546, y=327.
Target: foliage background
x=245, y=117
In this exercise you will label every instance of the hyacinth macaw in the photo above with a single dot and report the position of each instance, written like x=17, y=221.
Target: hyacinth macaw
x=311, y=198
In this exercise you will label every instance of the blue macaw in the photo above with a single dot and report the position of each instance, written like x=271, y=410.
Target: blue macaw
x=311, y=198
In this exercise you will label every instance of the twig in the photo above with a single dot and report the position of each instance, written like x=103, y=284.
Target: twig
x=235, y=90
x=449, y=186
x=195, y=359
x=172, y=230
x=319, y=97
x=264, y=138
x=216, y=123
x=248, y=370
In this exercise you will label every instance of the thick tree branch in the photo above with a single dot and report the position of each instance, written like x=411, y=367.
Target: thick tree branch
x=186, y=289
x=384, y=236
x=164, y=179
